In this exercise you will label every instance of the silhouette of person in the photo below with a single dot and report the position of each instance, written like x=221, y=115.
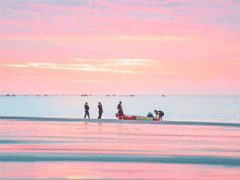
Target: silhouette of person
x=159, y=115
x=120, y=109
x=100, y=110
x=86, y=110
x=156, y=112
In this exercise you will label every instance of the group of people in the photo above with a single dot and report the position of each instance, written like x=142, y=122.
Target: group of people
x=100, y=110
x=159, y=114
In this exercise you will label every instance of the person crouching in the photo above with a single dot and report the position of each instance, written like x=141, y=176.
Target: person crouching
x=159, y=115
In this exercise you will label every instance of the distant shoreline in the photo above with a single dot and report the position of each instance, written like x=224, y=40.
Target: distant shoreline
x=21, y=118
x=114, y=95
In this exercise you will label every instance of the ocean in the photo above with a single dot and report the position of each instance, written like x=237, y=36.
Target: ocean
x=184, y=108
x=38, y=142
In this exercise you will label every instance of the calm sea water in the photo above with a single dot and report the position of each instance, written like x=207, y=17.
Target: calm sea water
x=184, y=108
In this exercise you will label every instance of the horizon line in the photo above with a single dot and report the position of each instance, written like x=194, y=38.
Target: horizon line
x=119, y=94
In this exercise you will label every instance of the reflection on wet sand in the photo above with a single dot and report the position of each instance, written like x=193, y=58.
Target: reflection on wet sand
x=79, y=150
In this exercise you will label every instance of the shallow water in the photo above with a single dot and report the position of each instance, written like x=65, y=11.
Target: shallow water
x=88, y=150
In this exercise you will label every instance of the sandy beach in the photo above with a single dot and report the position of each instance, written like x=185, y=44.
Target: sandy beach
x=59, y=148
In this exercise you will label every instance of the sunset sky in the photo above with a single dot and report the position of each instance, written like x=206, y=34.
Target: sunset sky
x=120, y=47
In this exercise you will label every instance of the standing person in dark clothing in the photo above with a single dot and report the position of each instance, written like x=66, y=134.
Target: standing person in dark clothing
x=100, y=110
x=120, y=109
x=86, y=110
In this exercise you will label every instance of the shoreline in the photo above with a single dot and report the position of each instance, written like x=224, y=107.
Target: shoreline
x=21, y=118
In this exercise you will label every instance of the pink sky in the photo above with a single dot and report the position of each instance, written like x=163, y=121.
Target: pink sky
x=120, y=47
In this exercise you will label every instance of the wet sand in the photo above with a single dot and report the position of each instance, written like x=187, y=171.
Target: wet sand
x=19, y=118
x=48, y=148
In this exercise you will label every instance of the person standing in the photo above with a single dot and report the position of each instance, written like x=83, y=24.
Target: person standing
x=120, y=109
x=100, y=110
x=86, y=110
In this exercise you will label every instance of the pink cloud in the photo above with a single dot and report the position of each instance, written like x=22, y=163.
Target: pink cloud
x=191, y=50
x=112, y=19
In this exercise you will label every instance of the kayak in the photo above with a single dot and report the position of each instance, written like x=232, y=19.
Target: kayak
x=134, y=117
